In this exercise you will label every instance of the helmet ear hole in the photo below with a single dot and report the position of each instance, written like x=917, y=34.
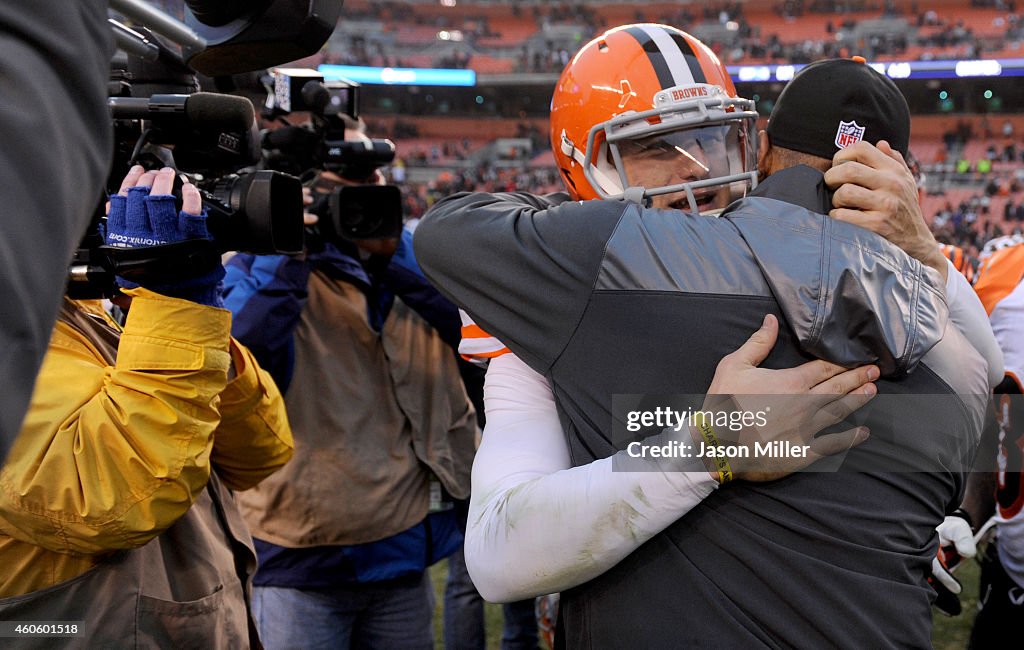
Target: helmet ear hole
x=567, y=177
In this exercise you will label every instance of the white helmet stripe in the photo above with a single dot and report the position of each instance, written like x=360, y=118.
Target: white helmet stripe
x=673, y=55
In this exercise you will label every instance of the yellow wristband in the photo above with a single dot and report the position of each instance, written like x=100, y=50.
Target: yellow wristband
x=711, y=440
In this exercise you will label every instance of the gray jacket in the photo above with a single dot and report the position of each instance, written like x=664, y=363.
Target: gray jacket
x=606, y=298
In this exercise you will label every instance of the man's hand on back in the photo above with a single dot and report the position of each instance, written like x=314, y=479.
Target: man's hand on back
x=797, y=403
x=875, y=189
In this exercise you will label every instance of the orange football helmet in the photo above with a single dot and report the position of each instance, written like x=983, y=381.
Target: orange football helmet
x=646, y=111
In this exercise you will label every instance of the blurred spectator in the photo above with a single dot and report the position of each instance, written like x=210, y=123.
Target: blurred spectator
x=359, y=342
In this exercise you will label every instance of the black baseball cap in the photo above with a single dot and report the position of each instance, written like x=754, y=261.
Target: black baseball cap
x=832, y=104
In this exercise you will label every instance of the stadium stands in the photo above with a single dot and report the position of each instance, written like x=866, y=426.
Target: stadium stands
x=523, y=36
x=503, y=38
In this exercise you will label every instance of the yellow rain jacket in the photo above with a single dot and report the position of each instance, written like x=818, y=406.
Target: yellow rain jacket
x=114, y=451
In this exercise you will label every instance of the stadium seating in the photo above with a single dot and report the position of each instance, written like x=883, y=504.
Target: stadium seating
x=500, y=38
x=498, y=33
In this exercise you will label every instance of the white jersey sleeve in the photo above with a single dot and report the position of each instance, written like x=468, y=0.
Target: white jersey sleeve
x=538, y=525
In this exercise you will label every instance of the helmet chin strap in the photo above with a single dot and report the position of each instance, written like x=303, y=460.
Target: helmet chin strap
x=604, y=181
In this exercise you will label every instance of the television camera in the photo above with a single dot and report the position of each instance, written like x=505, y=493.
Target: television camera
x=358, y=209
x=161, y=119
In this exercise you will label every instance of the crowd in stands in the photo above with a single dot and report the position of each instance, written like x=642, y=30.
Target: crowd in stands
x=533, y=36
x=993, y=203
x=754, y=32
x=418, y=197
x=971, y=222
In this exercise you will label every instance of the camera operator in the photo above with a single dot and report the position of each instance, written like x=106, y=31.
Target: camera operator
x=54, y=126
x=114, y=504
x=352, y=333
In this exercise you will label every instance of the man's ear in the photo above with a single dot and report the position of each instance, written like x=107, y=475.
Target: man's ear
x=764, y=147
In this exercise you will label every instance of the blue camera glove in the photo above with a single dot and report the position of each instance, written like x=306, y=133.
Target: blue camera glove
x=140, y=220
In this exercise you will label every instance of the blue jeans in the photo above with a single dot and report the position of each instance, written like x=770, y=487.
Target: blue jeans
x=520, y=632
x=464, y=614
x=395, y=614
x=463, y=608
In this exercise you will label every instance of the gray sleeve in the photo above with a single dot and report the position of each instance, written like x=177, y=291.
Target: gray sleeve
x=832, y=279
x=56, y=134
x=522, y=266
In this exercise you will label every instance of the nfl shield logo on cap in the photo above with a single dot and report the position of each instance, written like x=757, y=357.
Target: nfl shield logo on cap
x=849, y=133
